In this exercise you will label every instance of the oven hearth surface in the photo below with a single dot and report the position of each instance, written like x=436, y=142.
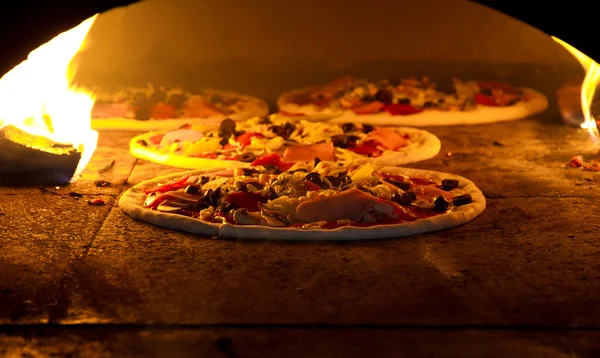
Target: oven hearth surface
x=521, y=280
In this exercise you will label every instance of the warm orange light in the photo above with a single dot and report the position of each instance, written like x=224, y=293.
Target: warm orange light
x=588, y=87
x=38, y=98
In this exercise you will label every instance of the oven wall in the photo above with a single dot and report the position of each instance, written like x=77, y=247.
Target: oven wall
x=268, y=46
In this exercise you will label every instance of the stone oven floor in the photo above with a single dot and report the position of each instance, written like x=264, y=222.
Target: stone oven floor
x=521, y=280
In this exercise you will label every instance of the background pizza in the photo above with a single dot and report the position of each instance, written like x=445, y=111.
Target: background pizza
x=412, y=102
x=280, y=140
x=158, y=107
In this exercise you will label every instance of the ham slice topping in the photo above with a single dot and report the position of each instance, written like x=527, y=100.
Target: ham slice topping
x=388, y=138
x=350, y=204
x=307, y=153
x=180, y=135
x=154, y=201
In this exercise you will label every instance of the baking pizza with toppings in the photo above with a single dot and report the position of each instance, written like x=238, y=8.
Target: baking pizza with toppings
x=158, y=107
x=322, y=201
x=281, y=141
x=414, y=102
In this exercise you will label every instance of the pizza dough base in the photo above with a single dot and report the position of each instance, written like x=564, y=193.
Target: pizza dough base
x=483, y=114
x=131, y=203
x=426, y=147
x=254, y=108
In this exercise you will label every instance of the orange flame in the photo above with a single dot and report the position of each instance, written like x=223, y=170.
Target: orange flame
x=588, y=87
x=40, y=100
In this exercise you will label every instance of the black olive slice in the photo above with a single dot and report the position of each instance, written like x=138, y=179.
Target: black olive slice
x=289, y=128
x=264, y=120
x=367, y=128
x=177, y=100
x=224, y=207
x=247, y=157
x=241, y=186
x=441, y=204
x=272, y=169
x=461, y=200
x=315, y=178
x=348, y=127
x=398, y=184
x=335, y=181
x=404, y=199
x=227, y=128
x=249, y=171
x=449, y=184
x=158, y=96
x=384, y=96
x=142, y=142
x=192, y=189
x=201, y=180
x=339, y=140
x=277, y=130
x=223, y=142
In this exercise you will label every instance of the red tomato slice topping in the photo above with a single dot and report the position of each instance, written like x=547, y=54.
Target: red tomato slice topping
x=245, y=200
x=174, y=184
x=369, y=108
x=163, y=111
x=485, y=100
x=401, y=109
x=311, y=186
x=506, y=87
x=368, y=148
x=246, y=138
x=272, y=159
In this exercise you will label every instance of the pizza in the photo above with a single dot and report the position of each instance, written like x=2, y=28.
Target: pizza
x=282, y=140
x=158, y=107
x=326, y=201
x=414, y=102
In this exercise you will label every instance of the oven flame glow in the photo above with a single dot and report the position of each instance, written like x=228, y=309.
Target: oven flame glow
x=588, y=87
x=37, y=96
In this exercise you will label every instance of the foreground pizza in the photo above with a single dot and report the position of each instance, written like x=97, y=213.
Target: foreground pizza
x=282, y=141
x=414, y=102
x=326, y=201
x=155, y=108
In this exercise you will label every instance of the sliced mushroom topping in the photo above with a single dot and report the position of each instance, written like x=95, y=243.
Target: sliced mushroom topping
x=169, y=209
x=243, y=217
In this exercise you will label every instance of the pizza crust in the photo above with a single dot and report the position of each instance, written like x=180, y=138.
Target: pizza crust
x=255, y=107
x=424, y=145
x=483, y=114
x=131, y=203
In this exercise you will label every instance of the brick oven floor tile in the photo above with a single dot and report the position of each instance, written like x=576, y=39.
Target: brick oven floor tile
x=524, y=261
x=40, y=238
x=298, y=342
